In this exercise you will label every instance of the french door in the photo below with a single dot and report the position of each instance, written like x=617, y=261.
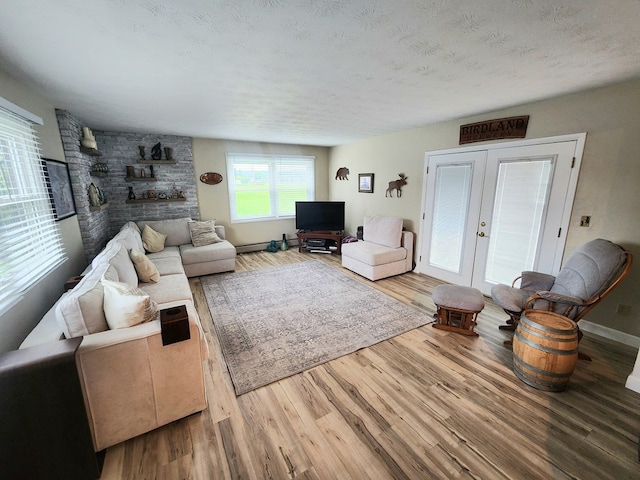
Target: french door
x=491, y=213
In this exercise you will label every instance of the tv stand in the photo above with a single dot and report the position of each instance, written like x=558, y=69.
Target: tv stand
x=320, y=241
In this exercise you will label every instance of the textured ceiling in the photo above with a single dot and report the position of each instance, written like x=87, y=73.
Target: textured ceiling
x=320, y=72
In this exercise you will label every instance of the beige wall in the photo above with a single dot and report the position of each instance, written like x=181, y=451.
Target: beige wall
x=607, y=187
x=210, y=156
x=18, y=322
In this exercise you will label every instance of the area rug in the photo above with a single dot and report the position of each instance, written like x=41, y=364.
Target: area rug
x=279, y=321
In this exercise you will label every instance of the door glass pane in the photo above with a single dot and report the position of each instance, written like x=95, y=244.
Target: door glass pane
x=520, y=206
x=451, y=205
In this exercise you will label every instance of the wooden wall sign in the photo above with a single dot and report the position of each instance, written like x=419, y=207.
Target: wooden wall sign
x=512, y=127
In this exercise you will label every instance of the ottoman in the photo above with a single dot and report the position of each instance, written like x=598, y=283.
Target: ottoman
x=458, y=308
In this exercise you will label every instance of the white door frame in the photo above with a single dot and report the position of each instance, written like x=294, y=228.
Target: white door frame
x=579, y=138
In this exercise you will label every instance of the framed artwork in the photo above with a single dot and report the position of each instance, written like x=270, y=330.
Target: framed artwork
x=60, y=191
x=365, y=182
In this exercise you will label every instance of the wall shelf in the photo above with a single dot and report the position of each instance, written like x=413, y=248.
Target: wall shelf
x=104, y=206
x=157, y=162
x=90, y=151
x=156, y=200
x=141, y=179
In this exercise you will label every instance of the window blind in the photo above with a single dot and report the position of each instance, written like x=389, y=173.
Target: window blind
x=30, y=243
x=263, y=187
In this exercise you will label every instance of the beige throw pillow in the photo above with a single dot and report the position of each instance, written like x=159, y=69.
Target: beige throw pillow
x=145, y=268
x=126, y=306
x=152, y=241
x=203, y=233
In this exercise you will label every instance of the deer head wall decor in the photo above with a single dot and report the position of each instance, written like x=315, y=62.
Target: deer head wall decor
x=396, y=185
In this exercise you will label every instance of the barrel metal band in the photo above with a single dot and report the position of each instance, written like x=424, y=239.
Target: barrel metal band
x=539, y=335
x=537, y=346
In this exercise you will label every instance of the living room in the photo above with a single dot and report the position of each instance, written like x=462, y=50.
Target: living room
x=606, y=189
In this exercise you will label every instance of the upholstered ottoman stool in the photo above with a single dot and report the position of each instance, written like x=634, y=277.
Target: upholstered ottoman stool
x=458, y=308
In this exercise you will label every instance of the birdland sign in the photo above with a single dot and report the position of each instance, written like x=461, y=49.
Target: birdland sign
x=512, y=127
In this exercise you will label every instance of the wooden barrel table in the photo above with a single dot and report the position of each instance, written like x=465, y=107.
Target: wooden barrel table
x=545, y=349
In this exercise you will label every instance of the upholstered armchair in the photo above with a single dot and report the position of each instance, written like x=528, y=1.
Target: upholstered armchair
x=588, y=275
x=386, y=249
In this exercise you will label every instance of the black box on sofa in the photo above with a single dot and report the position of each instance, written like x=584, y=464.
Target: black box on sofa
x=174, y=325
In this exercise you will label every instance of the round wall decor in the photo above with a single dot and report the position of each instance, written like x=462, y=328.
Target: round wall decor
x=211, y=178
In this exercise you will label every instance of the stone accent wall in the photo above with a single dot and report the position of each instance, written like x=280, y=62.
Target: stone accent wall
x=94, y=225
x=120, y=150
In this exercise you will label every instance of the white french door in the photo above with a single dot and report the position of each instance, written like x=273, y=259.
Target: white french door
x=491, y=213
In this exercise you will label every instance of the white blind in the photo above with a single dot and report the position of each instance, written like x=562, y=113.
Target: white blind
x=263, y=187
x=30, y=244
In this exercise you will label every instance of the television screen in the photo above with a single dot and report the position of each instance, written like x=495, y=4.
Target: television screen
x=316, y=216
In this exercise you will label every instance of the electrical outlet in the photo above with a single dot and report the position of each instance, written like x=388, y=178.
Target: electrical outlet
x=623, y=310
x=585, y=220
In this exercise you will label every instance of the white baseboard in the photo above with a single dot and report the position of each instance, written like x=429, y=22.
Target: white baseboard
x=258, y=247
x=610, y=333
x=633, y=380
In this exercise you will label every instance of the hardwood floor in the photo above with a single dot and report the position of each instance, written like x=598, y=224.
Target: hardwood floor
x=426, y=404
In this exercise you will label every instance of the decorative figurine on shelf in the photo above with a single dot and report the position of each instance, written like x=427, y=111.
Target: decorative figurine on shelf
x=168, y=153
x=156, y=151
x=132, y=195
x=94, y=197
x=283, y=244
x=174, y=193
x=152, y=174
x=142, y=173
x=131, y=173
x=88, y=140
x=162, y=196
x=181, y=194
x=142, y=152
x=151, y=193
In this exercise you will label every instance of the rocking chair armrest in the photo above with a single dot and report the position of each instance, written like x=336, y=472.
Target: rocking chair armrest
x=555, y=298
x=536, y=281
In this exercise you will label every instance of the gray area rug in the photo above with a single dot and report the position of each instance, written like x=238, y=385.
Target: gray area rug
x=279, y=321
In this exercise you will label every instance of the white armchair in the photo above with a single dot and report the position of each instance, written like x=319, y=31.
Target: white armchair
x=386, y=249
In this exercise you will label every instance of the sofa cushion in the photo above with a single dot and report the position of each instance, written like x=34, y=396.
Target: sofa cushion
x=80, y=311
x=168, y=289
x=129, y=237
x=203, y=233
x=153, y=241
x=146, y=270
x=168, y=252
x=117, y=255
x=385, y=231
x=372, y=253
x=216, y=251
x=176, y=230
x=126, y=306
x=169, y=265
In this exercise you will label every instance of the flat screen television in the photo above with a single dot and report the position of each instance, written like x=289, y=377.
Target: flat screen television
x=315, y=216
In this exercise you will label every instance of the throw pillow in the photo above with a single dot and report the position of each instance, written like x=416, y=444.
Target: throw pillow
x=126, y=306
x=145, y=268
x=152, y=241
x=203, y=233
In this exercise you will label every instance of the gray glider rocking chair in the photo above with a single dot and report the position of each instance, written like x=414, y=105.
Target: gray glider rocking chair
x=588, y=275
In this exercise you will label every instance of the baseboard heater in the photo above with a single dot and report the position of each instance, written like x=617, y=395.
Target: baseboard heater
x=257, y=247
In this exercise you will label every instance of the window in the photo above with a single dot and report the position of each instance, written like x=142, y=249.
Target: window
x=266, y=187
x=29, y=239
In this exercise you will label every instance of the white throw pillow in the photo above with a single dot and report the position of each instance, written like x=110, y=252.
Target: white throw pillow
x=126, y=306
x=145, y=268
x=203, y=233
x=152, y=241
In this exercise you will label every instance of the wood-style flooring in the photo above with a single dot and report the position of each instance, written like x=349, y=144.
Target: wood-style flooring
x=426, y=404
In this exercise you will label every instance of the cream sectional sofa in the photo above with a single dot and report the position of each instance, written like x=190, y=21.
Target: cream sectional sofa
x=132, y=383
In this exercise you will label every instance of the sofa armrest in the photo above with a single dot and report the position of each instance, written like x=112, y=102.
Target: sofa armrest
x=407, y=243
x=220, y=231
x=132, y=383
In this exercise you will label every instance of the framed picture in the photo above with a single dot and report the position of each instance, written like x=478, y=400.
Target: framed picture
x=365, y=182
x=59, y=185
